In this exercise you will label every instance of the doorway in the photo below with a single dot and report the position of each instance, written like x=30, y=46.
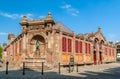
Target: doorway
x=95, y=57
x=100, y=57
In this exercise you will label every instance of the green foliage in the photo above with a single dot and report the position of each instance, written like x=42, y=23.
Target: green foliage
x=1, y=50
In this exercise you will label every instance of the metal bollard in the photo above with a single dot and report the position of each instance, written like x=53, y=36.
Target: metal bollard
x=69, y=68
x=59, y=68
x=77, y=67
x=42, y=68
x=7, y=67
x=23, y=68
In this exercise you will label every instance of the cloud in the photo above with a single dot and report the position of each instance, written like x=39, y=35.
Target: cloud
x=112, y=37
x=73, y=11
x=42, y=16
x=3, y=33
x=74, y=14
x=29, y=15
x=66, y=6
x=16, y=16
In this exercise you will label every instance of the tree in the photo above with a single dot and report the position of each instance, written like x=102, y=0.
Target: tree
x=1, y=50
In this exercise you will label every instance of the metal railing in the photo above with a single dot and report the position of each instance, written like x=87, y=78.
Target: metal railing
x=25, y=67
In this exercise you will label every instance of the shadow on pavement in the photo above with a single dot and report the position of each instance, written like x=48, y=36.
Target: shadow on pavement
x=112, y=73
x=31, y=74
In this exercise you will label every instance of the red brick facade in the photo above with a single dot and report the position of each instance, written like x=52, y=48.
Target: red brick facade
x=58, y=44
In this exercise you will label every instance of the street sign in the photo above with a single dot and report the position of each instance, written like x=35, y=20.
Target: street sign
x=72, y=60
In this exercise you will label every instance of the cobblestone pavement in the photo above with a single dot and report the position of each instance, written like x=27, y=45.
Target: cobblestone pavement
x=104, y=71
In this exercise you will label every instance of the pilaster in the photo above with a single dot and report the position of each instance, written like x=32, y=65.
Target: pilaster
x=73, y=46
x=60, y=47
x=84, y=53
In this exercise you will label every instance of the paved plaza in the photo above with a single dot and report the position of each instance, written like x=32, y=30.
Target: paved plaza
x=104, y=71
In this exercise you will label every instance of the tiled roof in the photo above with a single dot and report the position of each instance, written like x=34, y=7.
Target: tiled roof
x=63, y=28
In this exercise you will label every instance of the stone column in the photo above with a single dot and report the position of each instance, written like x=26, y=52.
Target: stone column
x=14, y=50
x=18, y=47
x=24, y=43
x=27, y=45
x=92, y=52
x=115, y=54
x=60, y=45
x=53, y=48
x=84, y=51
x=68, y=54
x=73, y=46
x=103, y=53
x=97, y=53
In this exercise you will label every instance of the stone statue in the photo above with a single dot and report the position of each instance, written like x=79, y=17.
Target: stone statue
x=37, y=46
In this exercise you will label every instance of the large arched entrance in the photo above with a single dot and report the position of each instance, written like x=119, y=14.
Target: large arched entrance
x=37, y=46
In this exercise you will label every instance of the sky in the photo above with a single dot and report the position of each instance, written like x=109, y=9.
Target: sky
x=81, y=16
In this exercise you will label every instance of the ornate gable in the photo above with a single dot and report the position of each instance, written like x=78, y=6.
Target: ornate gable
x=99, y=36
